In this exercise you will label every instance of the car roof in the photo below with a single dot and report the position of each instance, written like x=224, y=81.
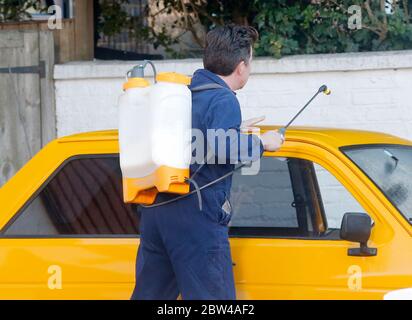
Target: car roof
x=333, y=137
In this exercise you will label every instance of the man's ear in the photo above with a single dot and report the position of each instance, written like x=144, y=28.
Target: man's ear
x=241, y=67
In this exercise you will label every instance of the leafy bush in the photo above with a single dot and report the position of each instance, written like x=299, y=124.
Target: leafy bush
x=16, y=10
x=300, y=27
x=322, y=27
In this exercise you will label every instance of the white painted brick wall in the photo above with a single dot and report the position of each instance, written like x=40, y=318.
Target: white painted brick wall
x=371, y=91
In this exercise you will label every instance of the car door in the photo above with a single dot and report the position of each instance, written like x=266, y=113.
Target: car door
x=74, y=239
x=285, y=233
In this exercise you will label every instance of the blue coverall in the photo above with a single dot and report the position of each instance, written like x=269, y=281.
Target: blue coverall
x=182, y=249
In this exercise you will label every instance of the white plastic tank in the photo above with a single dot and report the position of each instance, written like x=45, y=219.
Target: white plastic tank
x=135, y=151
x=135, y=159
x=154, y=135
x=171, y=121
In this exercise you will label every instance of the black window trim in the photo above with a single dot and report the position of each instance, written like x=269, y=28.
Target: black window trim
x=372, y=146
x=42, y=187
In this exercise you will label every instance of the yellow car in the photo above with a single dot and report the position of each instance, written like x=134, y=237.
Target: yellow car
x=327, y=217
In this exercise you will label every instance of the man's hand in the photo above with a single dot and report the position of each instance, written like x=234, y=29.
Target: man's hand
x=249, y=124
x=272, y=140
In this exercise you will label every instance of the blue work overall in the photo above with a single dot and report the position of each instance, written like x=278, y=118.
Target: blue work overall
x=184, y=249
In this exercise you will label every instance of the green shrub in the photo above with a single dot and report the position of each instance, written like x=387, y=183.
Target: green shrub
x=303, y=27
x=17, y=10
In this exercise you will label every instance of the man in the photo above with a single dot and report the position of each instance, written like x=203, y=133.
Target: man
x=184, y=249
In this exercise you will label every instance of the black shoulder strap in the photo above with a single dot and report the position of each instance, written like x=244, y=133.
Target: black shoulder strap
x=206, y=86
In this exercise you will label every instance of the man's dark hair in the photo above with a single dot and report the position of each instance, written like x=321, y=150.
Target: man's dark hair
x=227, y=46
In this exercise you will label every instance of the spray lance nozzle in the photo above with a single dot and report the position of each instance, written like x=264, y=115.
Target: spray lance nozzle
x=323, y=89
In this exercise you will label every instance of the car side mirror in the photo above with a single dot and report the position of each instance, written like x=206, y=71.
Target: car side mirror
x=357, y=227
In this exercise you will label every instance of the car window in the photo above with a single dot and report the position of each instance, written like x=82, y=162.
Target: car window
x=274, y=202
x=336, y=199
x=84, y=197
x=289, y=197
x=390, y=168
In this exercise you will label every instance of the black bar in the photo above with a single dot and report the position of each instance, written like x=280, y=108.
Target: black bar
x=40, y=69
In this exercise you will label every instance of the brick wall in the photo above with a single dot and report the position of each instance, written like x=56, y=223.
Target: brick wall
x=370, y=91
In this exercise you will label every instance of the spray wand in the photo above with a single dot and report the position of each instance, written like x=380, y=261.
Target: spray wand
x=323, y=89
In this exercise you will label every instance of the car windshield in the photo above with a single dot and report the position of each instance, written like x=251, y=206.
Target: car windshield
x=390, y=168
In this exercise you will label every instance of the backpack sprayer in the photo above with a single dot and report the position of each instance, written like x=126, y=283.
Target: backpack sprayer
x=155, y=122
x=155, y=153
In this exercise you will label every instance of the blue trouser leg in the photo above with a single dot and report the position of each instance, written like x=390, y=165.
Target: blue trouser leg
x=155, y=279
x=185, y=250
x=198, y=246
x=206, y=275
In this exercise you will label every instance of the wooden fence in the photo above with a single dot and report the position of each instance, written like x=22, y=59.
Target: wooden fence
x=27, y=107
